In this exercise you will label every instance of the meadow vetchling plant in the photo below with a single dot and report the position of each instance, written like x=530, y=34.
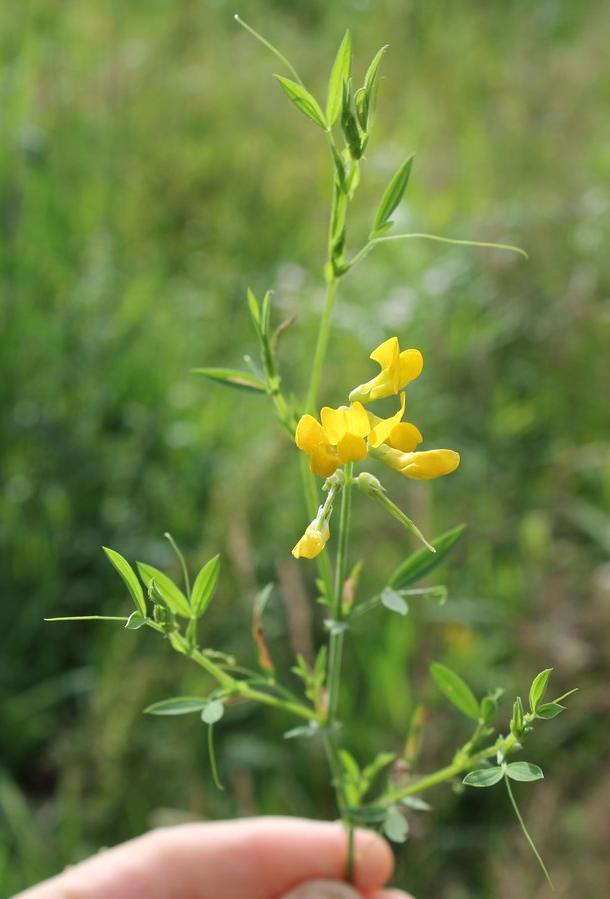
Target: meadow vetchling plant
x=381, y=792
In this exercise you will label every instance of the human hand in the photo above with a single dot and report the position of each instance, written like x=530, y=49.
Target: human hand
x=256, y=858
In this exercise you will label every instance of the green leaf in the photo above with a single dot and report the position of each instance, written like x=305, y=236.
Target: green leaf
x=254, y=310
x=422, y=562
x=394, y=193
x=204, y=586
x=369, y=91
x=538, y=688
x=416, y=804
x=339, y=74
x=178, y=705
x=549, y=710
x=230, y=377
x=129, y=578
x=368, y=814
x=135, y=621
x=212, y=712
x=393, y=601
x=170, y=592
x=303, y=730
x=455, y=689
x=395, y=825
x=484, y=777
x=303, y=100
x=524, y=771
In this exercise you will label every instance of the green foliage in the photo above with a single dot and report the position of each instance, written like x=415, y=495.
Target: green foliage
x=484, y=777
x=524, y=771
x=242, y=380
x=170, y=593
x=455, y=689
x=129, y=578
x=422, y=562
x=339, y=75
x=204, y=586
x=394, y=193
x=303, y=100
x=178, y=705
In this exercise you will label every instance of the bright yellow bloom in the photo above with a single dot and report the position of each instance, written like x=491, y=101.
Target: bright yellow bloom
x=421, y=466
x=397, y=370
x=402, y=435
x=339, y=439
x=313, y=540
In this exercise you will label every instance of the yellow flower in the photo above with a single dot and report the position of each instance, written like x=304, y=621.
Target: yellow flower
x=313, y=540
x=397, y=370
x=422, y=466
x=339, y=439
x=402, y=435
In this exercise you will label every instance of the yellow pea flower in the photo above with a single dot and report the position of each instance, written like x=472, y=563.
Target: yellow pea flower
x=338, y=439
x=421, y=466
x=313, y=541
x=397, y=370
x=401, y=435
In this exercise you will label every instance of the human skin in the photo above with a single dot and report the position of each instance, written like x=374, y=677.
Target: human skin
x=256, y=858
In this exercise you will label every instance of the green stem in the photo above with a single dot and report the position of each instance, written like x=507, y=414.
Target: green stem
x=526, y=833
x=247, y=692
x=321, y=346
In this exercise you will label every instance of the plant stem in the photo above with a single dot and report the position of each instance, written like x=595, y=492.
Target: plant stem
x=321, y=346
x=526, y=833
x=243, y=689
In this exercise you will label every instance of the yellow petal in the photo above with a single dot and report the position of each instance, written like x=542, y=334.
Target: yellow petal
x=351, y=448
x=357, y=420
x=429, y=464
x=385, y=426
x=405, y=437
x=323, y=460
x=309, y=434
x=312, y=542
x=334, y=422
x=386, y=353
x=411, y=363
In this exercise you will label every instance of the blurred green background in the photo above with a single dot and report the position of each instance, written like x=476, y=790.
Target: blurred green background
x=150, y=170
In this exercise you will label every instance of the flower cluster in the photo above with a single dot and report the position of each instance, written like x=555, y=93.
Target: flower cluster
x=351, y=433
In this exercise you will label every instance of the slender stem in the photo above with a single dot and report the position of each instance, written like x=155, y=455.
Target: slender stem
x=88, y=618
x=321, y=345
x=243, y=689
x=269, y=46
x=526, y=833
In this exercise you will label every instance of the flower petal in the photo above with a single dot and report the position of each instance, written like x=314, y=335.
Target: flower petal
x=309, y=434
x=312, y=542
x=334, y=422
x=351, y=448
x=386, y=353
x=357, y=420
x=323, y=460
x=385, y=426
x=429, y=464
x=405, y=437
x=411, y=363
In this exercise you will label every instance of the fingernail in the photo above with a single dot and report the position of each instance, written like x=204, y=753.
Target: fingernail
x=323, y=889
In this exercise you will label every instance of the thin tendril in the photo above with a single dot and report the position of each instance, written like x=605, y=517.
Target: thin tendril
x=526, y=834
x=212, y=753
x=269, y=46
x=452, y=240
x=178, y=551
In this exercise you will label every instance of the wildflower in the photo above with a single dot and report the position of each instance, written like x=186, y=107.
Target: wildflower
x=397, y=370
x=313, y=540
x=401, y=435
x=339, y=439
x=421, y=466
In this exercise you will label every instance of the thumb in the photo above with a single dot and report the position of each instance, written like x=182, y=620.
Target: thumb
x=323, y=889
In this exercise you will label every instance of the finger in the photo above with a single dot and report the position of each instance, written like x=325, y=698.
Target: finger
x=323, y=889
x=392, y=894
x=259, y=858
